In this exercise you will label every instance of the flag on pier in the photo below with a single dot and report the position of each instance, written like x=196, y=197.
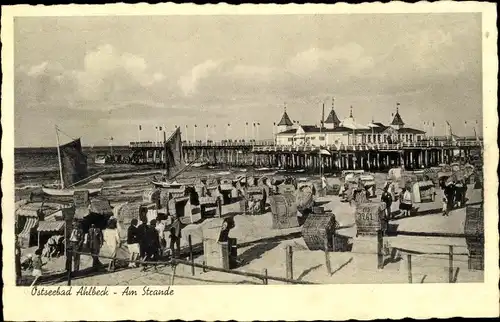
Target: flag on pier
x=140, y=128
x=160, y=128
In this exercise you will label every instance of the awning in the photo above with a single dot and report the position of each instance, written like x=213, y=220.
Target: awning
x=101, y=207
x=32, y=209
x=50, y=226
x=30, y=224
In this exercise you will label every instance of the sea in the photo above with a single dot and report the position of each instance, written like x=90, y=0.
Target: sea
x=35, y=167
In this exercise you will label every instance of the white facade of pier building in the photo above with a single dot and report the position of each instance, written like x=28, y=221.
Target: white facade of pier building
x=345, y=132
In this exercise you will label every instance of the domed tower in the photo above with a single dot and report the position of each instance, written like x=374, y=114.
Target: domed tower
x=397, y=121
x=332, y=121
x=285, y=124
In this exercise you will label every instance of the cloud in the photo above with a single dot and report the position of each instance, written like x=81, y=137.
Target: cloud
x=350, y=57
x=107, y=73
x=189, y=82
x=108, y=79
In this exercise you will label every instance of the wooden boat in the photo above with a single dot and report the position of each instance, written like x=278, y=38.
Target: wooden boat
x=72, y=169
x=164, y=184
x=69, y=192
x=100, y=159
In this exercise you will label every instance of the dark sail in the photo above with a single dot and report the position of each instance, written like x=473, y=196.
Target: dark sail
x=73, y=162
x=173, y=149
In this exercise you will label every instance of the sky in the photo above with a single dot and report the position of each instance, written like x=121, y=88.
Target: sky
x=102, y=77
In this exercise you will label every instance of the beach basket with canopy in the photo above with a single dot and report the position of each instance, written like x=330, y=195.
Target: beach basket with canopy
x=474, y=229
x=284, y=211
x=423, y=191
x=305, y=198
x=369, y=217
x=368, y=182
x=395, y=173
x=318, y=226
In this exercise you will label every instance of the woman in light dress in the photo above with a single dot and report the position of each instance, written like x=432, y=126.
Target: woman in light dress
x=113, y=241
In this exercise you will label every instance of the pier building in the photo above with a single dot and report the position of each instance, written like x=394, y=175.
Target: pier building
x=346, y=132
x=334, y=146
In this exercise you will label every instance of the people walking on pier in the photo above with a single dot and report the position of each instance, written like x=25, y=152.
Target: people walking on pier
x=133, y=242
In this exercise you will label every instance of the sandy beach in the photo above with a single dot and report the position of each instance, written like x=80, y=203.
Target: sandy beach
x=262, y=248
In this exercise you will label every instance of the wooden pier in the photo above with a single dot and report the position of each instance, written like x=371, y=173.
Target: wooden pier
x=414, y=155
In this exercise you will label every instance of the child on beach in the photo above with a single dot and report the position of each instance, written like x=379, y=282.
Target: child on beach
x=445, y=207
x=37, y=265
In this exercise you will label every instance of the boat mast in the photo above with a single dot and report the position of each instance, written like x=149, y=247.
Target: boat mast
x=59, y=158
x=165, y=151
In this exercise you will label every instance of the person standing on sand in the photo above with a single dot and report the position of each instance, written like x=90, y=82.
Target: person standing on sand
x=405, y=202
x=76, y=243
x=152, y=245
x=449, y=195
x=18, y=261
x=387, y=199
x=37, y=265
x=96, y=240
x=112, y=240
x=133, y=242
x=142, y=237
x=175, y=236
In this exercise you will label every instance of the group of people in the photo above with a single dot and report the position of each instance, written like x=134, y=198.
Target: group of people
x=454, y=194
x=405, y=201
x=147, y=242
x=93, y=241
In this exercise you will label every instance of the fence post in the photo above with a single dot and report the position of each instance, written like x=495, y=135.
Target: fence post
x=173, y=273
x=69, y=264
x=380, y=247
x=191, y=256
x=327, y=257
x=409, y=268
x=264, y=280
x=289, y=262
x=450, y=264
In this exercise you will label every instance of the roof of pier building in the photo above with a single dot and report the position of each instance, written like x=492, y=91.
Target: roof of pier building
x=397, y=120
x=349, y=125
x=285, y=120
x=317, y=129
x=332, y=118
x=380, y=128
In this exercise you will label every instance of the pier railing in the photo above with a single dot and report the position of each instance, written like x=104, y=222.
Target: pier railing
x=368, y=146
x=149, y=144
x=270, y=145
